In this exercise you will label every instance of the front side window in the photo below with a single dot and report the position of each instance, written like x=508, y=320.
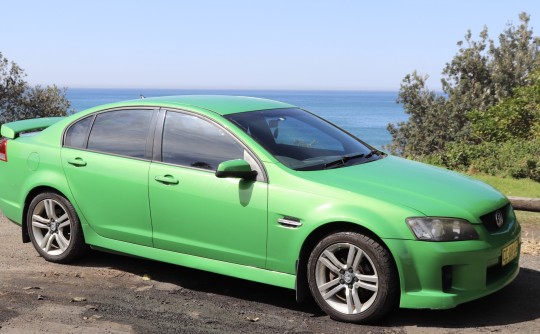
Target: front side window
x=121, y=132
x=194, y=142
x=303, y=141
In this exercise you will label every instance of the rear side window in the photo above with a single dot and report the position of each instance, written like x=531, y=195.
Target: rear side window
x=191, y=141
x=76, y=134
x=121, y=132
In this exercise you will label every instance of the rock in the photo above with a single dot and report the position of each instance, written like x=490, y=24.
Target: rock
x=167, y=287
x=144, y=288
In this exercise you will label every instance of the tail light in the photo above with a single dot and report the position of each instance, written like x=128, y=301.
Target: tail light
x=3, y=149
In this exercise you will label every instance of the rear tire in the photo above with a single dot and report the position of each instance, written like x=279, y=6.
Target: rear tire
x=353, y=278
x=54, y=228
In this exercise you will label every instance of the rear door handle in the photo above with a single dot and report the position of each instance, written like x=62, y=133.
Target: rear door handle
x=166, y=179
x=78, y=162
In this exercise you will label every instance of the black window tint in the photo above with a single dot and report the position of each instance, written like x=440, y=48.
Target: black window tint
x=192, y=141
x=122, y=132
x=76, y=134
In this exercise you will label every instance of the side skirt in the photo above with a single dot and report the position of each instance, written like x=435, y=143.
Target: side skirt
x=219, y=267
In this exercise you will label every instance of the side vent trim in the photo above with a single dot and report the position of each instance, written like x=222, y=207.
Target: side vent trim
x=290, y=222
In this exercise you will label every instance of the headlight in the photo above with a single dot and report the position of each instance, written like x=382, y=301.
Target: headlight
x=441, y=229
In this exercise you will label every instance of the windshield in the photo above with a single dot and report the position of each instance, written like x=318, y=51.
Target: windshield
x=303, y=141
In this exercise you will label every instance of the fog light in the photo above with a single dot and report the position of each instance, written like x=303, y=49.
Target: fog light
x=446, y=278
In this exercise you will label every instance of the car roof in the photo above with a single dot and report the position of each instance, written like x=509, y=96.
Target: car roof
x=220, y=104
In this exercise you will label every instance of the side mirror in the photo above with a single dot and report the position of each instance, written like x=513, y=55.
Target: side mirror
x=236, y=168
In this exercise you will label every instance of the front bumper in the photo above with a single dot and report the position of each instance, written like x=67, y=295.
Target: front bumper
x=441, y=275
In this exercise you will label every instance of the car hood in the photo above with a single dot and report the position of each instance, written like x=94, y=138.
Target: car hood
x=430, y=190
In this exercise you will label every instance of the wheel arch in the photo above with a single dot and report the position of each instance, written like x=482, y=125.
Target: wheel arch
x=28, y=199
x=302, y=288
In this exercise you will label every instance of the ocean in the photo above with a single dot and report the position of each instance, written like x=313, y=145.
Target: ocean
x=363, y=113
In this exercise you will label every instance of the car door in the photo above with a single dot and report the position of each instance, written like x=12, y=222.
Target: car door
x=193, y=211
x=106, y=159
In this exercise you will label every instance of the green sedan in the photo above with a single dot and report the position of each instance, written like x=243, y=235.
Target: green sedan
x=260, y=190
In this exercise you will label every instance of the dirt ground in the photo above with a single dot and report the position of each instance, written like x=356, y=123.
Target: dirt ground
x=107, y=293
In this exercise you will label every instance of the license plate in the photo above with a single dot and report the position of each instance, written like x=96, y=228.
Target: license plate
x=510, y=252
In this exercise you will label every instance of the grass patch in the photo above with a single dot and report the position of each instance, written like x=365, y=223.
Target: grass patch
x=516, y=187
x=512, y=187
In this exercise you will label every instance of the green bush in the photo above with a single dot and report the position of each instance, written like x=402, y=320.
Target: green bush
x=517, y=159
x=517, y=117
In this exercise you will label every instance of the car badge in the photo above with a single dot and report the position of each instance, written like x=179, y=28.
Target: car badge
x=499, y=219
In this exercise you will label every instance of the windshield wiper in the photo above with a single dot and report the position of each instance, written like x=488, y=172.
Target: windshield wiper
x=351, y=156
x=343, y=160
x=372, y=152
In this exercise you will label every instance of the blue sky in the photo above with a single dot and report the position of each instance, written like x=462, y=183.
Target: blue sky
x=341, y=44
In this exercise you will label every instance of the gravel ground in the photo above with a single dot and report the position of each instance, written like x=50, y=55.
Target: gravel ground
x=106, y=293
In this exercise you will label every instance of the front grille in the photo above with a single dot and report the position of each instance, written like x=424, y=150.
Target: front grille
x=490, y=220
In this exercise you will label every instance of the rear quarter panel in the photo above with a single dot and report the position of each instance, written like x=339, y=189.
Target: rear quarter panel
x=33, y=161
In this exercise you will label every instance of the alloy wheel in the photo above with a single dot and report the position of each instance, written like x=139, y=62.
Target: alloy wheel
x=346, y=278
x=51, y=227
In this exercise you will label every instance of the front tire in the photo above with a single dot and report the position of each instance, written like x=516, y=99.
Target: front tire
x=352, y=277
x=54, y=228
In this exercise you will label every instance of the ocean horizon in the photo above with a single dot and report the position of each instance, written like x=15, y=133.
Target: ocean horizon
x=365, y=114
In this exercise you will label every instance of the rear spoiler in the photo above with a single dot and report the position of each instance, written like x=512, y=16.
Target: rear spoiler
x=13, y=129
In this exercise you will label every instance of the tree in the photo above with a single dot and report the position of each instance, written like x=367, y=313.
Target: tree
x=18, y=100
x=517, y=117
x=426, y=110
x=481, y=74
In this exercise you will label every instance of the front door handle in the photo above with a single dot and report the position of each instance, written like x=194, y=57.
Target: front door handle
x=166, y=179
x=77, y=162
